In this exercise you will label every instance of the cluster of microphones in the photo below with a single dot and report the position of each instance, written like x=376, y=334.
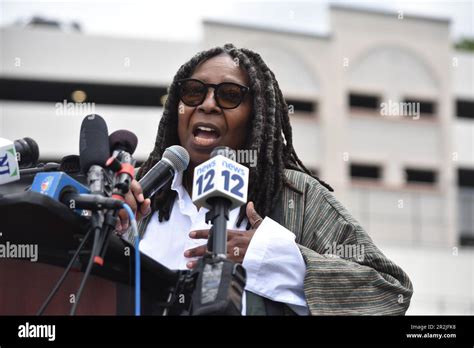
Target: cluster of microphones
x=107, y=167
x=105, y=160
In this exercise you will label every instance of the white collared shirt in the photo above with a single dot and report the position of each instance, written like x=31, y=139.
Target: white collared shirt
x=274, y=265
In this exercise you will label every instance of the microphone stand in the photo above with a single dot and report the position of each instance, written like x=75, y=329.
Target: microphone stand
x=120, y=189
x=99, y=183
x=218, y=217
x=218, y=283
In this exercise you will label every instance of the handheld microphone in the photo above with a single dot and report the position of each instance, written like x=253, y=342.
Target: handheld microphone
x=9, y=168
x=175, y=159
x=94, y=151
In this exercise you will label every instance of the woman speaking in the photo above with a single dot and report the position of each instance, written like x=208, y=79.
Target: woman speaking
x=229, y=97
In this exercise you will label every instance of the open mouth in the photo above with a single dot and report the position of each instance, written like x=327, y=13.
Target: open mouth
x=206, y=134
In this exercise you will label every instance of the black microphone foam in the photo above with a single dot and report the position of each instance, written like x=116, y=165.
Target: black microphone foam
x=123, y=140
x=28, y=150
x=93, y=142
x=70, y=164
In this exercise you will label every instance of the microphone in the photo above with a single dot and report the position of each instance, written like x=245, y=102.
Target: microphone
x=123, y=140
x=27, y=152
x=122, y=143
x=175, y=159
x=70, y=164
x=220, y=184
x=9, y=167
x=62, y=188
x=220, y=177
x=94, y=151
x=15, y=157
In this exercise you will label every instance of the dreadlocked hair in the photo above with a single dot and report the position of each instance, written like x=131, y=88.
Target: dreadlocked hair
x=269, y=134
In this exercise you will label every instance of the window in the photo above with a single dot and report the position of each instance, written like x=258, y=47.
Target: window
x=465, y=108
x=426, y=107
x=301, y=106
x=363, y=171
x=365, y=101
x=420, y=176
x=466, y=178
x=58, y=91
x=466, y=206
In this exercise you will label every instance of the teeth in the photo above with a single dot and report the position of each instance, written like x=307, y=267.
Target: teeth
x=206, y=129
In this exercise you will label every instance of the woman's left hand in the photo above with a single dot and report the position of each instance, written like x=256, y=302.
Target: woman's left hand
x=237, y=241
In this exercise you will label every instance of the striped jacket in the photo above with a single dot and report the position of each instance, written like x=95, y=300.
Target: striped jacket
x=346, y=274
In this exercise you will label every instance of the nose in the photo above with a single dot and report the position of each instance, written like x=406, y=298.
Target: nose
x=209, y=105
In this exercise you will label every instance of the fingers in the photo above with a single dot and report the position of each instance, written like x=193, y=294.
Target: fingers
x=254, y=218
x=237, y=245
x=191, y=264
x=199, y=234
x=122, y=222
x=133, y=197
x=196, y=252
x=144, y=209
x=204, y=234
x=137, y=192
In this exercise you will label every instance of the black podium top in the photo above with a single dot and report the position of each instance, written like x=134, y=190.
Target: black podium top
x=32, y=218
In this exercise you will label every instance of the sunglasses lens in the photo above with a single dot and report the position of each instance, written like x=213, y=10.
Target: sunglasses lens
x=193, y=92
x=229, y=95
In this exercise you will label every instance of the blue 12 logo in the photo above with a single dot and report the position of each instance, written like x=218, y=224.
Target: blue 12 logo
x=206, y=180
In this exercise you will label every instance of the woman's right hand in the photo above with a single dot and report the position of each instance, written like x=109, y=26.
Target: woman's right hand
x=134, y=198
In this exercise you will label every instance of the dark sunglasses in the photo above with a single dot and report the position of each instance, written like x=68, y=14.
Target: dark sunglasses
x=228, y=95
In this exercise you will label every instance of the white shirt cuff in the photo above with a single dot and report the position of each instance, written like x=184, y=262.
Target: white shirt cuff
x=275, y=267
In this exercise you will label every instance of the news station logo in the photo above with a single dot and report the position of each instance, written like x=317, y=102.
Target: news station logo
x=8, y=162
x=5, y=164
x=46, y=183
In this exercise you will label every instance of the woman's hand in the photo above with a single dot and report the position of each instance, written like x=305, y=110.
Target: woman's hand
x=134, y=198
x=237, y=241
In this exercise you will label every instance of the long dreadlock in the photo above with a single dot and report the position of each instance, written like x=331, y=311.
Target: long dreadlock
x=269, y=133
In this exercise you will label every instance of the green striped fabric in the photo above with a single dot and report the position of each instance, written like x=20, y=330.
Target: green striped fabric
x=362, y=283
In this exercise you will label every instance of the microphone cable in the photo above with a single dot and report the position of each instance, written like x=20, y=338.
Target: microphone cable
x=63, y=276
x=97, y=229
x=133, y=224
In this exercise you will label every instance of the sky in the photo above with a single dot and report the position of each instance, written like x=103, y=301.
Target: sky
x=181, y=19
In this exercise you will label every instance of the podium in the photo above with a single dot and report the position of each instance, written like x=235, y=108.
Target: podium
x=30, y=220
